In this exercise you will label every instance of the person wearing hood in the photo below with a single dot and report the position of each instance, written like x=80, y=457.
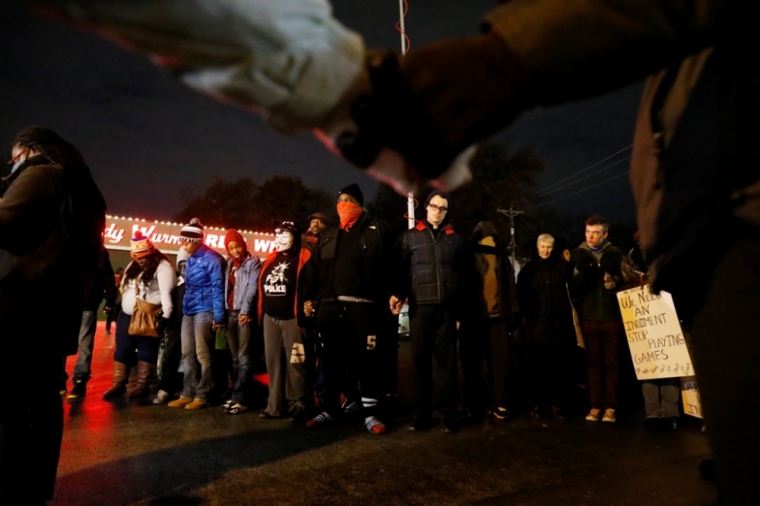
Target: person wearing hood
x=347, y=287
x=491, y=307
x=240, y=288
x=429, y=274
x=549, y=332
x=596, y=276
x=280, y=311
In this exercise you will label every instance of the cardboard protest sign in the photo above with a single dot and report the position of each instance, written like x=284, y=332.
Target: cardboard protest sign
x=690, y=396
x=654, y=334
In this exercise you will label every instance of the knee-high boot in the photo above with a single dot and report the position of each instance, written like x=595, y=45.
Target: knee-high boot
x=120, y=376
x=145, y=371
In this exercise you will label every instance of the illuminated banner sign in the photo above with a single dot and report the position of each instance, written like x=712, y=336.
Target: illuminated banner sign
x=165, y=236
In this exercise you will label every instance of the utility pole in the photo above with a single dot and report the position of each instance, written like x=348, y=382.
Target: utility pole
x=511, y=213
x=404, y=49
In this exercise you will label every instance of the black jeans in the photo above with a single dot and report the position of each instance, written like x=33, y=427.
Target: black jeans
x=351, y=353
x=433, y=334
x=31, y=429
x=485, y=342
x=550, y=378
x=169, y=379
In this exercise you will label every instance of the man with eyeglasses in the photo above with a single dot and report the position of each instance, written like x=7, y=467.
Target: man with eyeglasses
x=429, y=274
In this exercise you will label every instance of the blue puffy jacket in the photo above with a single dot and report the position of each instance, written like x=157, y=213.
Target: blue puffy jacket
x=204, y=284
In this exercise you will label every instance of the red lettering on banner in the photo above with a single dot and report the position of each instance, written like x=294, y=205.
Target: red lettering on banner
x=112, y=234
x=166, y=236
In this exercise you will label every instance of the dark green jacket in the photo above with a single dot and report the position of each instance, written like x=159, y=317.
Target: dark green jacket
x=595, y=301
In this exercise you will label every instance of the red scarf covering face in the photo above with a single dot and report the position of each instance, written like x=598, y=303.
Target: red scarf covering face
x=349, y=214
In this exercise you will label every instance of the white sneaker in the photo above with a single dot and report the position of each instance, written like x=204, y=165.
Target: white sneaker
x=609, y=416
x=162, y=397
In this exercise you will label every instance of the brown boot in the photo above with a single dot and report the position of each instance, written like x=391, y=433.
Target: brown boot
x=120, y=376
x=145, y=371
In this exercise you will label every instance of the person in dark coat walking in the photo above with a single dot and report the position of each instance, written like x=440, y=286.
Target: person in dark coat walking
x=51, y=220
x=98, y=285
x=542, y=287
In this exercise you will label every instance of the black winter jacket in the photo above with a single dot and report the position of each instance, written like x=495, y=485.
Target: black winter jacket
x=431, y=265
x=596, y=302
x=374, y=272
x=99, y=284
x=545, y=302
x=53, y=233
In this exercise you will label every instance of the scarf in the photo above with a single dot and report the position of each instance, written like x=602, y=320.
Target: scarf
x=349, y=214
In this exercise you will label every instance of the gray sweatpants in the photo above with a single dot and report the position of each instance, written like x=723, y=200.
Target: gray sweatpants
x=287, y=366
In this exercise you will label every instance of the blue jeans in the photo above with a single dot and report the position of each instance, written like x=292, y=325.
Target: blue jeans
x=197, y=346
x=238, y=337
x=86, y=342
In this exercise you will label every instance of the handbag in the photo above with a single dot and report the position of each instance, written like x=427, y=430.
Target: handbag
x=144, y=321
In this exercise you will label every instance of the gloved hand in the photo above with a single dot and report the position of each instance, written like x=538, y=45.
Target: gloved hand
x=163, y=324
x=584, y=261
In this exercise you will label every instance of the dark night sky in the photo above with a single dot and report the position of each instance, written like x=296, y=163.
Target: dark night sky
x=147, y=138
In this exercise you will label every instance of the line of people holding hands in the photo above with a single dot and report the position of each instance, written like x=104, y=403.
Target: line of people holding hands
x=326, y=305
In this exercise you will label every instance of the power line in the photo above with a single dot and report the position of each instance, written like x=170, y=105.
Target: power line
x=544, y=192
x=577, y=173
x=579, y=191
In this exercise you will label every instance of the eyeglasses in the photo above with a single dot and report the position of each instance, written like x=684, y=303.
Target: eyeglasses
x=434, y=207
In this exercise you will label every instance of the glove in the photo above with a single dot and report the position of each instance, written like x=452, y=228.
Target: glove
x=584, y=261
x=163, y=324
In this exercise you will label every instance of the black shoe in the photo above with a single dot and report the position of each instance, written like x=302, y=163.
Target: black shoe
x=559, y=413
x=670, y=424
x=351, y=407
x=474, y=415
x=299, y=415
x=449, y=426
x=266, y=416
x=707, y=469
x=654, y=423
x=420, y=423
x=79, y=390
x=501, y=413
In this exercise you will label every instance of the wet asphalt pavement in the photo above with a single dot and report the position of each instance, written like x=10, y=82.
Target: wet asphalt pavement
x=135, y=453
